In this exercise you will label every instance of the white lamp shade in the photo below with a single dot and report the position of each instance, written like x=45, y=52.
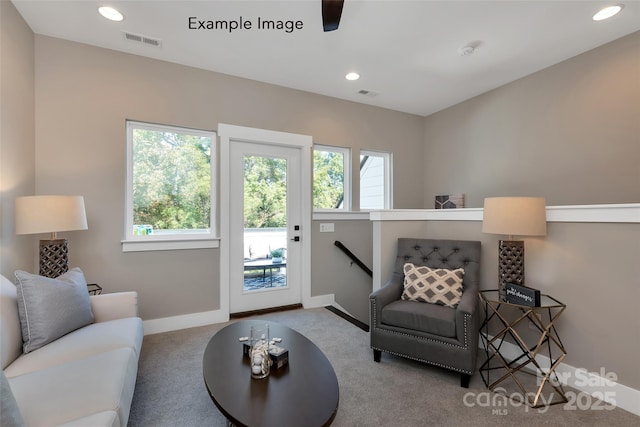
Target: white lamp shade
x=515, y=216
x=50, y=214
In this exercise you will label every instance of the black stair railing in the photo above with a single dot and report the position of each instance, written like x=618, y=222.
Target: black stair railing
x=354, y=258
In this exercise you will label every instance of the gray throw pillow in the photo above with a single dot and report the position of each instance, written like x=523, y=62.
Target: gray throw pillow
x=10, y=415
x=50, y=308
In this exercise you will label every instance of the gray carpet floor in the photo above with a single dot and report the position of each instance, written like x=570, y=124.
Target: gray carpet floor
x=170, y=390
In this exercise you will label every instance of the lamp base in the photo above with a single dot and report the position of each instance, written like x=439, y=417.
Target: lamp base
x=54, y=257
x=510, y=265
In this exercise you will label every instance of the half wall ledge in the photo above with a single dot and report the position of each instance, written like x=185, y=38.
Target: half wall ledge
x=604, y=213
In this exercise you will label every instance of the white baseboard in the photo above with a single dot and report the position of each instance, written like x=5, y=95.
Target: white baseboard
x=600, y=387
x=319, y=301
x=192, y=320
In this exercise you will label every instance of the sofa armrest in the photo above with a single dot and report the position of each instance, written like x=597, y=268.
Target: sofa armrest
x=114, y=306
x=390, y=292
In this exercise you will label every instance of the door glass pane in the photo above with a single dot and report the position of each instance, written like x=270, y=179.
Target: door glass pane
x=265, y=223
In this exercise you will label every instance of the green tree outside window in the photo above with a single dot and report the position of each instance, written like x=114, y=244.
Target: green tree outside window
x=328, y=179
x=171, y=180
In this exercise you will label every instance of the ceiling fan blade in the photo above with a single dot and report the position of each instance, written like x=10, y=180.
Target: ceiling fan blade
x=331, y=13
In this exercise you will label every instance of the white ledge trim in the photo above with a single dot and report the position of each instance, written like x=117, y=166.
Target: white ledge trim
x=349, y=215
x=613, y=213
x=169, y=245
x=465, y=214
x=594, y=213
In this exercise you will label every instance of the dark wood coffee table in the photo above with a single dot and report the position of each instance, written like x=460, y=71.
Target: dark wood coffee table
x=302, y=393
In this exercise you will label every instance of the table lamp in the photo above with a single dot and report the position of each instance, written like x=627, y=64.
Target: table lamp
x=51, y=214
x=513, y=216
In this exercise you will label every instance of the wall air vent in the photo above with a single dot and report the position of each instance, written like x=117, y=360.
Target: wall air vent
x=367, y=93
x=138, y=38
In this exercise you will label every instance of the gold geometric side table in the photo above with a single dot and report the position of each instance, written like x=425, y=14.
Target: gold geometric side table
x=508, y=322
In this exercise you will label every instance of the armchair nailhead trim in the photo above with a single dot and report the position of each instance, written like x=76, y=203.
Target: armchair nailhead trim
x=373, y=315
x=466, y=336
x=464, y=347
x=453, y=368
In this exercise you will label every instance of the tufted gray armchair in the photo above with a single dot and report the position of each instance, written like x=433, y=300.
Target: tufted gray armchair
x=435, y=334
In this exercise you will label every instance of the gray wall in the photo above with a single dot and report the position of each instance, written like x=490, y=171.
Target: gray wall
x=332, y=270
x=569, y=133
x=84, y=95
x=17, y=135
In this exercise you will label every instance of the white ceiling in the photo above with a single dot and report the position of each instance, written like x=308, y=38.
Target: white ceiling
x=406, y=51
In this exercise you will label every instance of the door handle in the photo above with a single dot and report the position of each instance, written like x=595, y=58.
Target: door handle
x=296, y=239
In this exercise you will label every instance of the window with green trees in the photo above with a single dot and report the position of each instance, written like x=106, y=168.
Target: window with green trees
x=331, y=179
x=170, y=179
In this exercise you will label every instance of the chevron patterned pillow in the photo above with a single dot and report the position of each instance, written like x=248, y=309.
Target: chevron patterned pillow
x=436, y=286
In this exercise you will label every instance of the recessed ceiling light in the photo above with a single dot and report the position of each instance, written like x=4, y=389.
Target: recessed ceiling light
x=607, y=12
x=110, y=13
x=352, y=76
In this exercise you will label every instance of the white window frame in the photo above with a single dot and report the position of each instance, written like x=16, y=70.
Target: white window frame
x=388, y=176
x=346, y=156
x=159, y=242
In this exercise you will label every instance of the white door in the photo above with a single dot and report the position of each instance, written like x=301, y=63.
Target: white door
x=266, y=228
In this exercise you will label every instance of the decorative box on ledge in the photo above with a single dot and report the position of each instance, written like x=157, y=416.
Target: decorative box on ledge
x=279, y=356
x=522, y=295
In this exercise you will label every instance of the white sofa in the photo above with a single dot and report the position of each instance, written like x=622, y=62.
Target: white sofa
x=84, y=378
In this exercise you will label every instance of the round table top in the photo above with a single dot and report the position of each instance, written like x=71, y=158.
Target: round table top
x=302, y=393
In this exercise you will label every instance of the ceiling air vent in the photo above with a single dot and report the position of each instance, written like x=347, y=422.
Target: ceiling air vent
x=138, y=38
x=367, y=93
